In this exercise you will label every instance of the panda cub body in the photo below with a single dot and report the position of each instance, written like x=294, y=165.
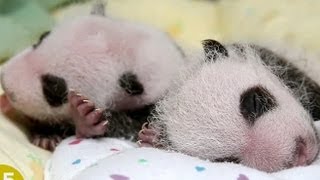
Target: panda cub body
x=121, y=66
x=240, y=103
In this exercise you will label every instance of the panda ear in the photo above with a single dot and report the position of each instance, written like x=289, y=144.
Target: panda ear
x=213, y=49
x=98, y=8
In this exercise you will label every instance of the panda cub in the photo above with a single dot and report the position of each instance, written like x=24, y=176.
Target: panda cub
x=243, y=103
x=123, y=67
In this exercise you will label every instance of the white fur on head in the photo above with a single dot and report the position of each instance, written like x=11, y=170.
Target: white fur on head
x=90, y=54
x=202, y=117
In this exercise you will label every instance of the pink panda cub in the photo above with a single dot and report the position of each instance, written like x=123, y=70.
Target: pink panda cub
x=123, y=67
x=242, y=104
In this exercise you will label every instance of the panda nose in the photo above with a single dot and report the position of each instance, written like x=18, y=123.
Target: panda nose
x=300, y=153
x=306, y=151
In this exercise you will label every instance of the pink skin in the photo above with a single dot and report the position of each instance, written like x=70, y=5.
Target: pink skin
x=5, y=105
x=303, y=153
x=88, y=119
x=300, y=154
x=46, y=142
x=147, y=137
x=81, y=50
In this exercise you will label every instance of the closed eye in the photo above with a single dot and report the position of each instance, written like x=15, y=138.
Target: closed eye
x=256, y=101
x=54, y=90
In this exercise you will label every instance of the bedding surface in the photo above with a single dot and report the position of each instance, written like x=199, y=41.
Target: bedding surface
x=188, y=21
x=18, y=152
x=116, y=159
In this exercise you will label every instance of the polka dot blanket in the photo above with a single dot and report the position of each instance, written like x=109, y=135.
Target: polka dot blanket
x=116, y=159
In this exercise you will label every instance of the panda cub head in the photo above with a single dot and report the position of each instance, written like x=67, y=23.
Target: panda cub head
x=117, y=64
x=233, y=108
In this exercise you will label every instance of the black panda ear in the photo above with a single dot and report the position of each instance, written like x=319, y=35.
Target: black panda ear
x=213, y=49
x=98, y=8
x=41, y=38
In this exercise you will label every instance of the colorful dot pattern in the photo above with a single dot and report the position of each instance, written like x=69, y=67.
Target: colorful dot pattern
x=76, y=141
x=119, y=177
x=114, y=149
x=198, y=168
x=242, y=177
x=142, y=161
x=78, y=161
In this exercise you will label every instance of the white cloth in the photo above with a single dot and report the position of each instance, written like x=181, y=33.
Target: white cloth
x=114, y=159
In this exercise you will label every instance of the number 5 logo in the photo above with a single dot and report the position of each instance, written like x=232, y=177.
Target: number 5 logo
x=9, y=173
x=8, y=176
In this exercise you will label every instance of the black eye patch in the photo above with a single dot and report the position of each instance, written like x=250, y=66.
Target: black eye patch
x=41, y=38
x=256, y=101
x=54, y=90
x=130, y=83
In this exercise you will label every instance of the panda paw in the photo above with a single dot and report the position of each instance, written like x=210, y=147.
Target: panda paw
x=147, y=137
x=89, y=120
x=46, y=142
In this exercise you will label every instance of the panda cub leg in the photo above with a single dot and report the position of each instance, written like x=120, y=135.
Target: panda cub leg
x=89, y=120
x=47, y=135
x=46, y=142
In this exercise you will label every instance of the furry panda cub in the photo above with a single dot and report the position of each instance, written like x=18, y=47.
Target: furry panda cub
x=123, y=67
x=243, y=103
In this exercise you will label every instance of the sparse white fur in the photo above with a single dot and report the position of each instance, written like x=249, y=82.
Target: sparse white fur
x=201, y=116
x=91, y=53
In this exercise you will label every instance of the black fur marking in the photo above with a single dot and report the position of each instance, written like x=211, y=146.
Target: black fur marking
x=228, y=159
x=127, y=124
x=295, y=79
x=254, y=102
x=141, y=113
x=64, y=129
x=213, y=49
x=129, y=82
x=240, y=49
x=49, y=134
x=54, y=90
x=42, y=37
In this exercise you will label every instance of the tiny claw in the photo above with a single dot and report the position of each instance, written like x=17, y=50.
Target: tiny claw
x=78, y=94
x=139, y=142
x=85, y=101
x=145, y=125
x=97, y=109
x=141, y=131
x=105, y=123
